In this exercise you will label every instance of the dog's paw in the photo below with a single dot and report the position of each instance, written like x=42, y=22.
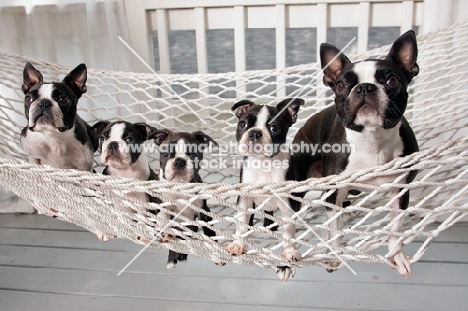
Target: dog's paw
x=172, y=264
x=220, y=261
x=284, y=272
x=142, y=240
x=333, y=266
x=101, y=236
x=236, y=247
x=402, y=264
x=174, y=258
x=291, y=255
x=52, y=213
x=166, y=237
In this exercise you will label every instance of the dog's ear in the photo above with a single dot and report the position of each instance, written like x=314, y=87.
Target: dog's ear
x=99, y=127
x=331, y=66
x=290, y=108
x=159, y=136
x=242, y=107
x=404, y=53
x=97, y=131
x=76, y=80
x=204, y=139
x=144, y=129
x=31, y=77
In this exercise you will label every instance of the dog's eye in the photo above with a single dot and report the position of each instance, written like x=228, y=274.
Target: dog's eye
x=340, y=87
x=165, y=155
x=64, y=100
x=242, y=124
x=193, y=156
x=102, y=138
x=392, y=81
x=275, y=129
x=27, y=100
x=130, y=140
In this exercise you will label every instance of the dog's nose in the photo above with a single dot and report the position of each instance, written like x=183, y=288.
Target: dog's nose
x=366, y=88
x=45, y=103
x=113, y=146
x=255, y=135
x=180, y=163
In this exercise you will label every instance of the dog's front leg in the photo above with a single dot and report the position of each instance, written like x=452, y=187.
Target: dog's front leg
x=237, y=247
x=401, y=261
x=337, y=199
x=334, y=240
x=290, y=253
x=289, y=231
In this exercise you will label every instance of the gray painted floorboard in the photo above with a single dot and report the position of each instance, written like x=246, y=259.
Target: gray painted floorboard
x=47, y=264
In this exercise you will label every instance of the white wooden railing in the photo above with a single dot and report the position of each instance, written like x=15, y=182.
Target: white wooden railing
x=145, y=16
x=163, y=16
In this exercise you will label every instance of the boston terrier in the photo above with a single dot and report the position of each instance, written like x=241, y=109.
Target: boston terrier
x=370, y=99
x=261, y=135
x=55, y=134
x=120, y=146
x=180, y=156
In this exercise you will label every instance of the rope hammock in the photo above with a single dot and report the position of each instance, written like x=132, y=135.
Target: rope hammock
x=437, y=112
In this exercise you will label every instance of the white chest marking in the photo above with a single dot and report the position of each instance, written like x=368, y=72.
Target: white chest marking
x=58, y=149
x=138, y=170
x=373, y=146
x=260, y=171
x=257, y=171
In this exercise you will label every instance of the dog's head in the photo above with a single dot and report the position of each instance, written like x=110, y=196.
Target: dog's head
x=181, y=154
x=52, y=106
x=261, y=130
x=371, y=93
x=120, y=142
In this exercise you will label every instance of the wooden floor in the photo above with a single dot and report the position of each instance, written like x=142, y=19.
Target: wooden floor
x=47, y=264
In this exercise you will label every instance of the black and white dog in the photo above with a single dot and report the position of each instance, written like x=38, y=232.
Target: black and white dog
x=55, y=134
x=180, y=156
x=261, y=135
x=370, y=99
x=120, y=146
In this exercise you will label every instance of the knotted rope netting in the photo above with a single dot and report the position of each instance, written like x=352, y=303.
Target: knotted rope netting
x=437, y=112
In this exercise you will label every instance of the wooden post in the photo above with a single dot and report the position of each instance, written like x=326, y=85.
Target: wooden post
x=280, y=49
x=239, y=46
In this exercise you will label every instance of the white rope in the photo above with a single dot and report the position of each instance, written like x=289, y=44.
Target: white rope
x=437, y=112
